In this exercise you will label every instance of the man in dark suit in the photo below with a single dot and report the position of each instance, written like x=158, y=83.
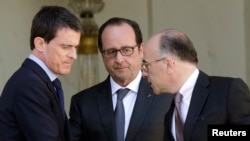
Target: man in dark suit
x=30, y=108
x=92, y=111
x=170, y=65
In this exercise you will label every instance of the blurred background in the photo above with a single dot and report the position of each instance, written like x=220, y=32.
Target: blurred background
x=219, y=29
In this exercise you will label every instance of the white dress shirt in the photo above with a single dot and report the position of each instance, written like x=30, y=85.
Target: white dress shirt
x=128, y=100
x=186, y=92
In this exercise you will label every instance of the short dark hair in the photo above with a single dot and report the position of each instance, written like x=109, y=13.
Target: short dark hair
x=179, y=44
x=119, y=21
x=49, y=20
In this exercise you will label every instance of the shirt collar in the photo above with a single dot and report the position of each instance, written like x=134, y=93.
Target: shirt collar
x=51, y=75
x=133, y=85
x=188, y=86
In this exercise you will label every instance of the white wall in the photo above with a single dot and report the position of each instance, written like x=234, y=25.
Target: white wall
x=217, y=28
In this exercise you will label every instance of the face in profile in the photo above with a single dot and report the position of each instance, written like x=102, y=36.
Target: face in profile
x=154, y=67
x=61, y=51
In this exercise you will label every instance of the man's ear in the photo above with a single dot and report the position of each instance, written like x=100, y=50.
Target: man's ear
x=141, y=47
x=170, y=64
x=39, y=43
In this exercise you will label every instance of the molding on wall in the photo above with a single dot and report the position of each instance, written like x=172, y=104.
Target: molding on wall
x=150, y=17
x=247, y=36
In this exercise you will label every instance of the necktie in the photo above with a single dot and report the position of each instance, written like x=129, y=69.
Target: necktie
x=59, y=90
x=179, y=124
x=119, y=114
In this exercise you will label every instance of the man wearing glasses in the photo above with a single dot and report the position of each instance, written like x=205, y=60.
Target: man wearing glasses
x=202, y=102
x=93, y=112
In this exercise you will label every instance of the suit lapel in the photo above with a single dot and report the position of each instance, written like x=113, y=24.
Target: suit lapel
x=42, y=75
x=198, y=99
x=45, y=78
x=168, y=123
x=105, y=108
x=144, y=98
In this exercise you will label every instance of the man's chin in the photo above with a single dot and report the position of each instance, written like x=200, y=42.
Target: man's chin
x=156, y=91
x=65, y=72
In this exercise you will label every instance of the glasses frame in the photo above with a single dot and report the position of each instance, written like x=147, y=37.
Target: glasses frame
x=145, y=64
x=120, y=50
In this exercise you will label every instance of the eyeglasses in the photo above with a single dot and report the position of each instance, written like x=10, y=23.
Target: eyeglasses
x=125, y=51
x=145, y=64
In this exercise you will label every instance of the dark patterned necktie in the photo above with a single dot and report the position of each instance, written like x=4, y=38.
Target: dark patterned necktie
x=120, y=115
x=179, y=124
x=59, y=90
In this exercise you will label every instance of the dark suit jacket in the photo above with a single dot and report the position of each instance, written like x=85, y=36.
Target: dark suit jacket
x=215, y=100
x=29, y=109
x=92, y=116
